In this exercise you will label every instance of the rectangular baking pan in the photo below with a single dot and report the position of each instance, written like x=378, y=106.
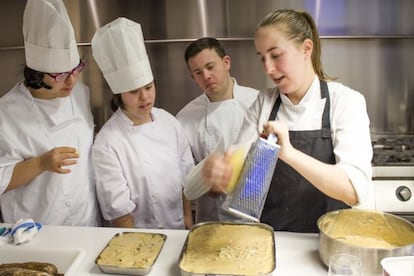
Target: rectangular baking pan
x=131, y=270
x=249, y=224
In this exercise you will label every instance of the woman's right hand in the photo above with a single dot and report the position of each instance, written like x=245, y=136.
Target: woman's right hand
x=53, y=160
x=217, y=171
x=59, y=157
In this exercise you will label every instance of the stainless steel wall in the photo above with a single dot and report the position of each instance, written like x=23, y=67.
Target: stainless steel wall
x=369, y=47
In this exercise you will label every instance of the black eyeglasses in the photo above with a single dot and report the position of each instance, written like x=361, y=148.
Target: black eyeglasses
x=59, y=77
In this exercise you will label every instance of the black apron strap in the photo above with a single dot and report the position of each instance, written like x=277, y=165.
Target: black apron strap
x=275, y=108
x=326, y=124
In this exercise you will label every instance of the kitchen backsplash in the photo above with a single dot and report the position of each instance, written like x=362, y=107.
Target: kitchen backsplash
x=368, y=47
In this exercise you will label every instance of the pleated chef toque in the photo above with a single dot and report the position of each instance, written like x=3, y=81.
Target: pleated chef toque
x=119, y=50
x=49, y=39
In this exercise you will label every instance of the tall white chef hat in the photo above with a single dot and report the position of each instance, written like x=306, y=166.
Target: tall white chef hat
x=49, y=39
x=119, y=50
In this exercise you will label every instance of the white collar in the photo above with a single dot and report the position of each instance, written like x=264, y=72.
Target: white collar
x=311, y=95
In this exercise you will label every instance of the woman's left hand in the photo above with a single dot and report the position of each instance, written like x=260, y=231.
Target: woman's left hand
x=282, y=132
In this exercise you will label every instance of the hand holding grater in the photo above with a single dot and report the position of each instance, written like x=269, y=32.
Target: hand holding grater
x=249, y=196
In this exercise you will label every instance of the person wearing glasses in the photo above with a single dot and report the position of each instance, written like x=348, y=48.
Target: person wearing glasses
x=46, y=127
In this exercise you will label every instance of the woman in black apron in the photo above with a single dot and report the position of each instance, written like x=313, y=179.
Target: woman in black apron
x=322, y=127
x=299, y=206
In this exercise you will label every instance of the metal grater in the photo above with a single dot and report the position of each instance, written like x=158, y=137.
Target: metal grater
x=248, y=198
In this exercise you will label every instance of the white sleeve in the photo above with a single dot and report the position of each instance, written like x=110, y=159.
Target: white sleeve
x=185, y=157
x=9, y=157
x=256, y=116
x=194, y=186
x=352, y=141
x=111, y=186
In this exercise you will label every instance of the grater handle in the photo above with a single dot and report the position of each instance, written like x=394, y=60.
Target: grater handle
x=272, y=138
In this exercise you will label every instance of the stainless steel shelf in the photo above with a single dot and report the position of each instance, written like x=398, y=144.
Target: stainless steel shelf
x=369, y=37
x=181, y=40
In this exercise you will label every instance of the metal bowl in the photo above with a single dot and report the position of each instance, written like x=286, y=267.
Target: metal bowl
x=370, y=235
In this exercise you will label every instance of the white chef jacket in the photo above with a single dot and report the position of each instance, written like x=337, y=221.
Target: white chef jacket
x=349, y=128
x=28, y=131
x=205, y=124
x=140, y=170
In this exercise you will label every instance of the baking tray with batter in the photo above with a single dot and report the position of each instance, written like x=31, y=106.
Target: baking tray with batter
x=132, y=253
x=228, y=248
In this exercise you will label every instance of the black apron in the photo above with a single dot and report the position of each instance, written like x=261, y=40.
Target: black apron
x=294, y=204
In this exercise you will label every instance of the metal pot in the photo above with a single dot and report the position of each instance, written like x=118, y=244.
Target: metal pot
x=370, y=235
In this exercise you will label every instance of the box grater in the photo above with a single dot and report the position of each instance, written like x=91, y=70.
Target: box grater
x=248, y=198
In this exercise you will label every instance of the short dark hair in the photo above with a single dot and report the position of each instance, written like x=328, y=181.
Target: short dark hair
x=200, y=44
x=34, y=79
x=116, y=102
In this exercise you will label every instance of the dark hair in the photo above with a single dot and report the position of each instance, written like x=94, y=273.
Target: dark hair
x=200, y=44
x=34, y=79
x=116, y=102
x=298, y=25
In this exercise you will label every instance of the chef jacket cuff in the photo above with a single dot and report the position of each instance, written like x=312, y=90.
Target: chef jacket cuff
x=194, y=186
x=362, y=184
x=6, y=174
